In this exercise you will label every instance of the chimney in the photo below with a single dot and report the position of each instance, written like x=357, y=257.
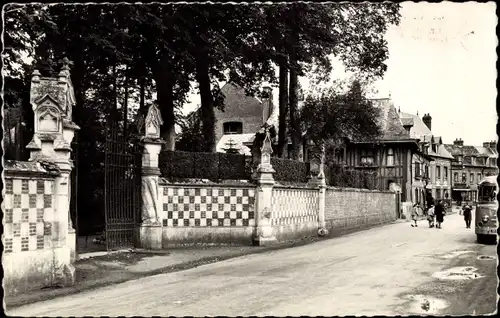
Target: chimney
x=486, y=144
x=267, y=103
x=493, y=145
x=427, y=119
x=458, y=142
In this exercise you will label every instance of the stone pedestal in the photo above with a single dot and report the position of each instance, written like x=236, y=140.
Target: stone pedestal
x=151, y=235
x=53, y=100
x=151, y=229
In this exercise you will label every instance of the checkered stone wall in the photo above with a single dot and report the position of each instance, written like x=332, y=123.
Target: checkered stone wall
x=294, y=206
x=208, y=206
x=28, y=214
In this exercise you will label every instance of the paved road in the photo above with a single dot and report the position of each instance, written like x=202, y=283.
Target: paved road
x=384, y=271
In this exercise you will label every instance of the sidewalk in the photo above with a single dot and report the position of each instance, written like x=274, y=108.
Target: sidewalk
x=102, y=269
x=117, y=267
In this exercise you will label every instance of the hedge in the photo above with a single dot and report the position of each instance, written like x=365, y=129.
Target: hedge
x=340, y=177
x=290, y=170
x=203, y=165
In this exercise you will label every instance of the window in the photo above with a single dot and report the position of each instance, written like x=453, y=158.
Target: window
x=446, y=173
x=479, y=177
x=438, y=172
x=493, y=162
x=455, y=177
x=487, y=192
x=464, y=177
x=367, y=157
x=233, y=127
x=434, y=148
x=390, y=157
x=426, y=172
x=471, y=178
x=460, y=159
x=472, y=160
x=438, y=194
x=417, y=169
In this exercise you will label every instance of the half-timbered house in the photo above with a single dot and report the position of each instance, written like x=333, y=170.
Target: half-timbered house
x=389, y=156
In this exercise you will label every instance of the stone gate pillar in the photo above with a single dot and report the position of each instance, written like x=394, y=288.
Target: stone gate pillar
x=52, y=99
x=318, y=179
x=263, y=231
x=151, y=228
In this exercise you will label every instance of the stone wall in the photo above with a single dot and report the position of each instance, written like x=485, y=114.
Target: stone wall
x=347, y=209
x=200, y=214
x=294, y=212
x=33, y=256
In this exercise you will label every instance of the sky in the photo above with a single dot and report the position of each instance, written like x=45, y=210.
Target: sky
x=442, y=61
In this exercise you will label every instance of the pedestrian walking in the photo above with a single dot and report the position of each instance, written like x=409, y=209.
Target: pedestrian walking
x=414, y=214
x=467, y=215
x=430, y=216
x=439, y=212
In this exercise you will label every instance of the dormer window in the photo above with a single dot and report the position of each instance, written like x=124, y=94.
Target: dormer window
x=460, y=159
x=434, y=148
x=233, y=127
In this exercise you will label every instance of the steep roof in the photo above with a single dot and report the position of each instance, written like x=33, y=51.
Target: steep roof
x=237, y=98
x=389, y=121
x=486, y=152
x=420, y=131
x=465, y=150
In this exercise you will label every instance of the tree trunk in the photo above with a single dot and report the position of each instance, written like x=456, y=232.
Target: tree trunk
x=165, y=93
x=114, y=109
x=294, y=120
x=207, y=103
x=142, y=96
x=125, y=105
x=283, y=110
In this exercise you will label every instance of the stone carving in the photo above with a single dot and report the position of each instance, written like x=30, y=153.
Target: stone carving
x=266, y=150
x=149, y=199
x=47, y=87
x=153, y=122
x=52, y=99
x=48, y=118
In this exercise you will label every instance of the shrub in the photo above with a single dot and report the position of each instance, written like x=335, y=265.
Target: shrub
x=203, y=165
x=340, y=177
x=232, y=166
x=290, y=170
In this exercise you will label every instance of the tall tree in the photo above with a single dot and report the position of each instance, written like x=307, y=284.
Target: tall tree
x=334, y=115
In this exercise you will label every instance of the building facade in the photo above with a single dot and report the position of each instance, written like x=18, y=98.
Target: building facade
x=432, y=164
x=390, y=156
x=469, y=166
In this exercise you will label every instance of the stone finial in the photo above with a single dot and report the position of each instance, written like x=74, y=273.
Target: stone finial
x=52, y=99
x=153, y=122
x=266, y=149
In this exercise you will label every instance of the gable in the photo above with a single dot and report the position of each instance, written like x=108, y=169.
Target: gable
x=237, y=103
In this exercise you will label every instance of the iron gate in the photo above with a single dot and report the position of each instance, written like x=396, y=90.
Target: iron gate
x=122, y=189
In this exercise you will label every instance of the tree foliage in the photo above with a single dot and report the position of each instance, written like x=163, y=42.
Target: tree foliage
x=333, y=116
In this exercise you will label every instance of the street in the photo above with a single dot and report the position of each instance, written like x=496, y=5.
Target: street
x=390, y=270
